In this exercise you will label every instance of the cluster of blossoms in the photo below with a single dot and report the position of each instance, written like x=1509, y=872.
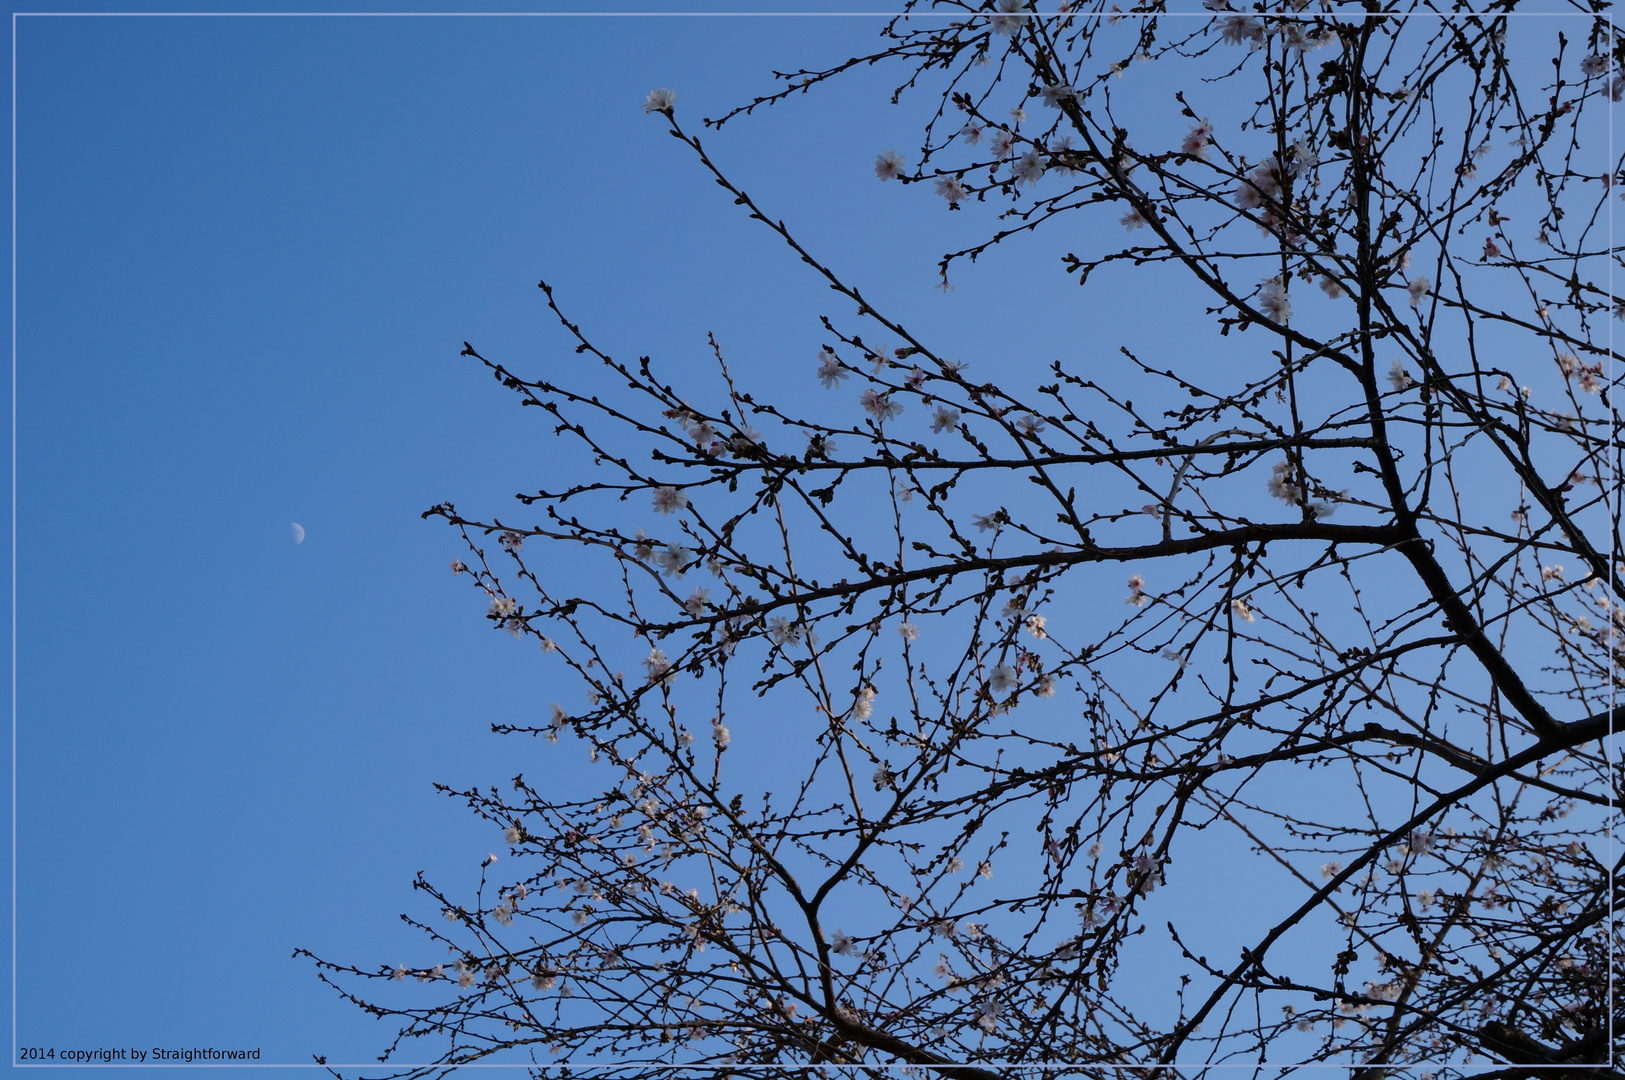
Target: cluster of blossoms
x=1136, y=591
x=1265, y=188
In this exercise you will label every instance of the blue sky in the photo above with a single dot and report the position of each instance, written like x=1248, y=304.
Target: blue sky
x=248, y=253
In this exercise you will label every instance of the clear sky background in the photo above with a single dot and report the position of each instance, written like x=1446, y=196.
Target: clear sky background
x=248, y=253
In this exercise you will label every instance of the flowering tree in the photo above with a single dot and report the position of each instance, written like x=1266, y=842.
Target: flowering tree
x=919, y=733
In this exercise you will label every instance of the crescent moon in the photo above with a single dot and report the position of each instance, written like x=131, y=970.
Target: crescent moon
x=298, y=533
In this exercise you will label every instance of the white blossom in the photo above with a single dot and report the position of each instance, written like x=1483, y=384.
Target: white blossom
x=944, y=419
x=1274, y=302
x=1419, y=288
x=863, y=703
x=1399, y=378
x=513, y=834
x=1055, y=94
x=878, y=405
x=1045, y=687
x=696, y=603
x=984, y=522
x=672, y=558
x=1007, y=22
x=1283, y=483
x=720, y=735
x=1592, y=66
x=951, y=189
x=1331, y=288
x=1002, y=679
x=830, y=371
x=667, y=499
x=659, y=100
x=909, y=631
x=1131, y=220
x=1029, y=168
x=658, y=666
x=842, y=944
x=1035, y=626
x=889, y=165
x=1242, y=29
x=1329, y=870
x=1239, y=607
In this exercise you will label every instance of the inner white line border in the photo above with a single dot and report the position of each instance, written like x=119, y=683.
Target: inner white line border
x=711, y=1070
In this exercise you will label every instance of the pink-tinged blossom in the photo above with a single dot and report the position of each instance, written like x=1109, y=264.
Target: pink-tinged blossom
x=457, y=567
x=889, y=165
x=951, y=189
x=1045, y=687
x=944, y=419
x=1331, y=288
x=659, y=101
x=841, y=944
x=880, y=406
x=1283, y=483
x=1491, y=249
x=1273, y=301
x=1242, y=30
x=511, y=542
x=667, y=499
x=1002, y=143
x=971, y=133
x=830, y=371
x=1007, y=21
x=658, y=666
x=1136, y=596
x=909, y=631
x=1592, y=66
x=1196, y=139
x=1029, y=168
